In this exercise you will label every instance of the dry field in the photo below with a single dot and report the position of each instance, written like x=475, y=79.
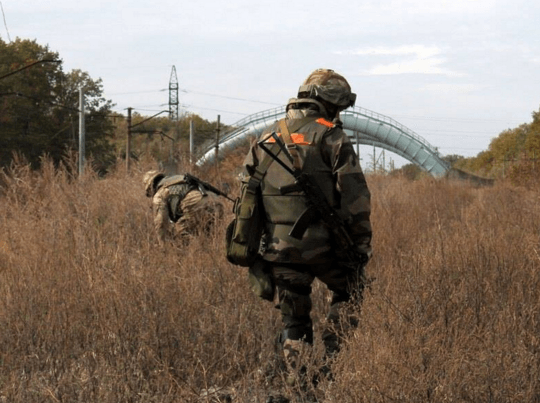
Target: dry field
x=93, y=310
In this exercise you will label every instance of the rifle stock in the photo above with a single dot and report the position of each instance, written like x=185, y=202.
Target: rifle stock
x=193, y=179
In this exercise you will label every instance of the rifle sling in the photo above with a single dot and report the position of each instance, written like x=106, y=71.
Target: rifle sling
x=265, y=163
x=291, y=147
x=310, y=214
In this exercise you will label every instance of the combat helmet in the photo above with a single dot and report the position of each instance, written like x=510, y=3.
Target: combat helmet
x=150, y=180
x=327, y=88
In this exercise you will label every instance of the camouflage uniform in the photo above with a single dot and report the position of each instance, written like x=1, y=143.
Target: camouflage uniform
x=325, y=152
x=180, y=208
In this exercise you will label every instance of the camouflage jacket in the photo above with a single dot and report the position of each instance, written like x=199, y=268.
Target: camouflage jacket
x=325, y=152
x=166, y=203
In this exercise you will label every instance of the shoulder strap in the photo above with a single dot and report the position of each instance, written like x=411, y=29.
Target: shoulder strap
x=287, y=137
x=258, y=175
x=261, y=169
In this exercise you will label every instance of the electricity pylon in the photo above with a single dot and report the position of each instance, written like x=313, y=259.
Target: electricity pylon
x=173, y=95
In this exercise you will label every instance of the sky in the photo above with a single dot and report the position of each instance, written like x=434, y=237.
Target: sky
x=457, y=73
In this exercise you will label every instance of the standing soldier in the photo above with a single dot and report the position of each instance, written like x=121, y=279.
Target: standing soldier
x=298, y=247
x=182, y=204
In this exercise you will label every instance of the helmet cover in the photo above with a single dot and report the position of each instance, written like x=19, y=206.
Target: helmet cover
x=329, y=86
x=150, y=179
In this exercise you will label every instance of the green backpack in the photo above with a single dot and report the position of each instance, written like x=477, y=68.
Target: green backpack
x=245, y=231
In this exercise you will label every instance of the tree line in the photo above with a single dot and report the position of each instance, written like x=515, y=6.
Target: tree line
x=39, y=106
x=513, y=154
x=39, y=114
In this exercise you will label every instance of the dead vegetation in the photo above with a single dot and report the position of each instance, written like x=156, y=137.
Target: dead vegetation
x=93, y=310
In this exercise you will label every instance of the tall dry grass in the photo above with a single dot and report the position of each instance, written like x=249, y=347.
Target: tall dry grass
x=93, y=310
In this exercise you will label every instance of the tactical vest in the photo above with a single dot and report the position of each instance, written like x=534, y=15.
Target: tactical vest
x=285, y=209
x=179, y=188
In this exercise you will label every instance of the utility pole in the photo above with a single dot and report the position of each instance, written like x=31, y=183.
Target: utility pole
x=217, y=146
x=191, y=146
x=130, y=132
x=128, y=142
x=82, y=150
x=217, y=137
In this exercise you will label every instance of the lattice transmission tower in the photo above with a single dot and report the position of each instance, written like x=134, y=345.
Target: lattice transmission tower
x=173, y=95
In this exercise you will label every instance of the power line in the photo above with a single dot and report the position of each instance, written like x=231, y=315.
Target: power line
x=216, y=110
x=187, y=91
x=461, y=148
x=461, y=135
x=457, y=131
x=137, y=92
x=453, y=119
x=28, y=66
x=228, y=97
x=18, y=94
x=5, y=23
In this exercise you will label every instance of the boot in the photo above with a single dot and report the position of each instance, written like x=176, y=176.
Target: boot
x=295, y=353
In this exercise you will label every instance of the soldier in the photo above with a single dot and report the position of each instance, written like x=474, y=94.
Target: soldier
x=317, y=144
x=181, y=205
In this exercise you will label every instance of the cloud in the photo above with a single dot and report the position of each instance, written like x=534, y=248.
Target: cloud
x=419, y=51
x=414, y=59
x=451, y=89
x=416, y=66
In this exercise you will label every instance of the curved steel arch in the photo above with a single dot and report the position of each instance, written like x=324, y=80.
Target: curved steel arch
x=375, y=129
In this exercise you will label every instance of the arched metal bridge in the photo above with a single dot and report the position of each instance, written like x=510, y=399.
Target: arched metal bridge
x=363, y=127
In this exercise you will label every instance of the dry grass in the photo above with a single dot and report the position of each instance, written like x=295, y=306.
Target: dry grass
x=93, y=310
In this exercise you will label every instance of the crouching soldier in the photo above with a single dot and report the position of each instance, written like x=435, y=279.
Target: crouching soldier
x=183, y=205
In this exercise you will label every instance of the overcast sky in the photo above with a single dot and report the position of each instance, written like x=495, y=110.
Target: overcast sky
x=456, y=72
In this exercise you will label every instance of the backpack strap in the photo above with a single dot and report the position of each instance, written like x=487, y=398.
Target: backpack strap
x=261, y=169
x=285, y=132
x=257, y=176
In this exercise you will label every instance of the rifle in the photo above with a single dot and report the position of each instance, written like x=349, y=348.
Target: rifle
x=202, y=185
x=317, y=207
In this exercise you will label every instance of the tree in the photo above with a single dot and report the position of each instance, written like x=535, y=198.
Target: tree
x=452, y=158
x=39, y=107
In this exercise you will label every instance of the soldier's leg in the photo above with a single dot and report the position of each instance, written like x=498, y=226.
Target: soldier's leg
x=200, y=212
x=188, y=224
x=294, y=288
x=212, y=210
x=347, y=290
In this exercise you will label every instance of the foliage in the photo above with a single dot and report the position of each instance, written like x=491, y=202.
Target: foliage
x=513, y=154
x=452, y=158
x=410, y=172
x=39, y=107
x=92, y=309
x=161, y=139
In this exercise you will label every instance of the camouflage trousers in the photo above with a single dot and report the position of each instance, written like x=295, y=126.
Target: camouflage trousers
x=294, y=281
x=199, y=213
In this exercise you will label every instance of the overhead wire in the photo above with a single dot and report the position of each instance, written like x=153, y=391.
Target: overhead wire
x=5, y=23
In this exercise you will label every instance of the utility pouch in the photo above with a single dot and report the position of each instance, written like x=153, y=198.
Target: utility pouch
x=245, y=231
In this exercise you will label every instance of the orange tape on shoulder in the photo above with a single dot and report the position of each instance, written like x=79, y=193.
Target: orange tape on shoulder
x=297, y=138
x=324, y=122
